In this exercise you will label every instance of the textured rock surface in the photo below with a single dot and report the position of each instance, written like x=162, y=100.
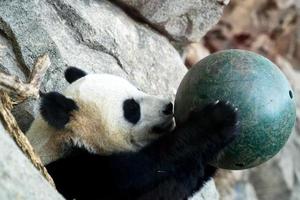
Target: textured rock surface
x=181, y=20
x=96, y=36
x=18, y=178
x=8, y=63
x=207, y=193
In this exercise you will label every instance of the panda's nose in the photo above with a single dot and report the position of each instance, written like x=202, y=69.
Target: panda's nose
x=168, y=109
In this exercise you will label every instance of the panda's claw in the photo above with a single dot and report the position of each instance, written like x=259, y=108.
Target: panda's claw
x=216, y=102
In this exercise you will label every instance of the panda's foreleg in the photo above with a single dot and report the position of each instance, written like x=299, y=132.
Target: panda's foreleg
x=206, y=132
x=172, y=167
x=179, y=159
x=213, y=128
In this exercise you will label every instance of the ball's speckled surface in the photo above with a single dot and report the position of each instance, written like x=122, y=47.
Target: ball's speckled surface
x=260, y=91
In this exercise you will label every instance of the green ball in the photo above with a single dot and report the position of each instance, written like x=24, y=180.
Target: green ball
x=257, y=88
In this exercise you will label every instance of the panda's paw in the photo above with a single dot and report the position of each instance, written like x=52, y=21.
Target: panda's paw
x=218, y=121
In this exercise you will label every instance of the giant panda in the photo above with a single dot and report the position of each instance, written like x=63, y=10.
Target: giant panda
x=105, y=139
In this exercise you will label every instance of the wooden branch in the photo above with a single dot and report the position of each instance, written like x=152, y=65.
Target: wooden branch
x=39, y=70
x=13, y=85
x=13, y=129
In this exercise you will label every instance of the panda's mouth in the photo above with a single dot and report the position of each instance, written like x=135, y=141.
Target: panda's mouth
x=164, y=127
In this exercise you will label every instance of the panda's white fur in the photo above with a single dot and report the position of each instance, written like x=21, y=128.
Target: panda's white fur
x=99, y=124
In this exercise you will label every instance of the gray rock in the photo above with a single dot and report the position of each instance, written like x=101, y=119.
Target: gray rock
x=208, y=192
x=243, y=191
x=9, y=64
x=8, y=61
x=181, y=20
x=296, y=192
x=24, y=113
x=277, y=176
x=18, y=178
x=96, y=36
x=82, y=35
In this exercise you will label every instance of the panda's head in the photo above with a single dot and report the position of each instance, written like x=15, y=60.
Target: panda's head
x=106, y=113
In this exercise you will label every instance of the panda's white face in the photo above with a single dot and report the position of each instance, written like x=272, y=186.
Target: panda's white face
x=113, y=115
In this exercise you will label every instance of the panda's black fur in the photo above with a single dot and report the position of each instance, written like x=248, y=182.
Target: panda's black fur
x=132, y=111
x=56, y=108
x=172, y=167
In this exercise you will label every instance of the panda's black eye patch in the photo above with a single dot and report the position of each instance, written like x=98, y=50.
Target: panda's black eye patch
x=132, y=111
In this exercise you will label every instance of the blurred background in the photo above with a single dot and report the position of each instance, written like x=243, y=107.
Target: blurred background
x=271, y=28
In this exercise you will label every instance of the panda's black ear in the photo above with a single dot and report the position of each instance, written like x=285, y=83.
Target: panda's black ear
x=73, y=73
x=56, y=109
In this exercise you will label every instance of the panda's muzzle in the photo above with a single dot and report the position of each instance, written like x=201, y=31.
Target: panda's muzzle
x=168, y=110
